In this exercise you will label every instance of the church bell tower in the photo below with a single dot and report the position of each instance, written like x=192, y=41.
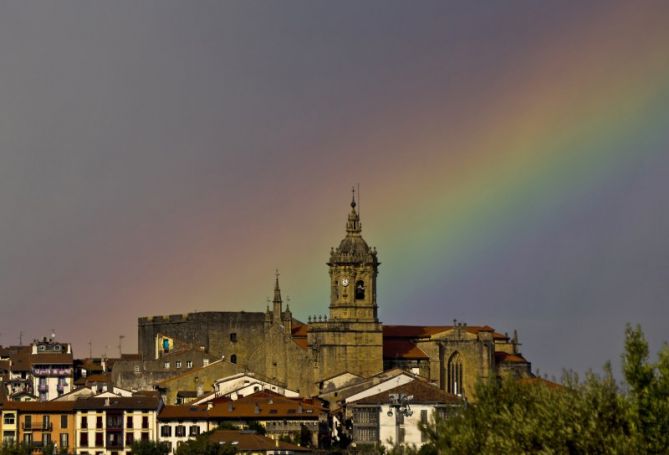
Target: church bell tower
x=353, y=270
x=351, y=338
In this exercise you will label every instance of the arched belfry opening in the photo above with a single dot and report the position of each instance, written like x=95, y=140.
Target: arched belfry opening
x=360, y=290
x=455, y=383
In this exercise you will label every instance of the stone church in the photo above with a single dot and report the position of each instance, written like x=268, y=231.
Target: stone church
x=302, y=356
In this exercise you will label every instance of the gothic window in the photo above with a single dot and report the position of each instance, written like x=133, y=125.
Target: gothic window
x=455, y=384
x=359, y=290
x=233, y=358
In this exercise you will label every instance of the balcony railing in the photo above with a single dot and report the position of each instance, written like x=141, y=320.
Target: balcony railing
x=37, y=426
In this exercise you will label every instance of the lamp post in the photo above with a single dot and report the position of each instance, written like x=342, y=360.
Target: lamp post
x=400, y=404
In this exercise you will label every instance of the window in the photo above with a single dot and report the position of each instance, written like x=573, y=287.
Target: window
x=128, y=422
x=166, y=345
x=46, y=438
x=98, y=422
x=189, y=364
x=84, y=422
x=145, y=421
x=360, y=290
x=233, y=337
x=28, y=438
x=114, y=439
x=63, y=421
x=10, y=419
x=129, y=438
x=64, y=440
x=83, y=439
x=166, y=365
x=28, y=422
x=177, y=364
x=99, y=439
x=165, y=431
x=9, y=437
x=145, y=435
x=454, y=382
x=233, y=358
x=194, y=430
x=180, y=431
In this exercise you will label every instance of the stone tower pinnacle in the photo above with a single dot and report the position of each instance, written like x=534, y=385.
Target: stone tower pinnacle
x=277, y=302
x=353, y=225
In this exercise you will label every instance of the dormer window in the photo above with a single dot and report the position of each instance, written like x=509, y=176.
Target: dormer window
x=360, y=290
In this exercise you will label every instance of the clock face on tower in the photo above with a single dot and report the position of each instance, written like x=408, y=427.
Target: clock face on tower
x=344, y=282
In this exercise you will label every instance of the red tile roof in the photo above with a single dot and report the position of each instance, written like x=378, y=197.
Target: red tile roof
x=402, y=349
x=423, y=393
x=261, y=405
x=40, y=406
x=503, y=357
x=245, y=441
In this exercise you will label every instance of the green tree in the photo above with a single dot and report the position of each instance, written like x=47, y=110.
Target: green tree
x=592, y=416
x=648, y=392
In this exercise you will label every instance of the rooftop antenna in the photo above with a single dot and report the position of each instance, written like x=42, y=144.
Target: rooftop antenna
x=120, y=341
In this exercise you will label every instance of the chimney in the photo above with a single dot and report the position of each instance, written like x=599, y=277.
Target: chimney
x=107, y=402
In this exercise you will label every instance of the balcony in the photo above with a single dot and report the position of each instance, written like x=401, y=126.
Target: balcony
x=37, y=426
x=114, y=424
x=43, y=388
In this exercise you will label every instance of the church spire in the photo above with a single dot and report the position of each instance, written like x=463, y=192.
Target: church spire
x=277, y=299
x=353, y=225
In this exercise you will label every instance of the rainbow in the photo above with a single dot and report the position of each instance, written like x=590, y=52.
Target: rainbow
x=570, y=123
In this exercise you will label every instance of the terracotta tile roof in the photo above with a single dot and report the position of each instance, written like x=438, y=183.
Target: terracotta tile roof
x=263, y=405
x=301, y=342
x=299, y=329
x=137, y=403
x=503, y=357
x=423, y=393
x=19, y=356
x=245, y=441
x=40, y=406
x=401, y=349
x=47, y=358
x=299, y=334
x=95, y=378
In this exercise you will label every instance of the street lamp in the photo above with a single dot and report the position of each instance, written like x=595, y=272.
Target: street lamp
x=400, y=403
